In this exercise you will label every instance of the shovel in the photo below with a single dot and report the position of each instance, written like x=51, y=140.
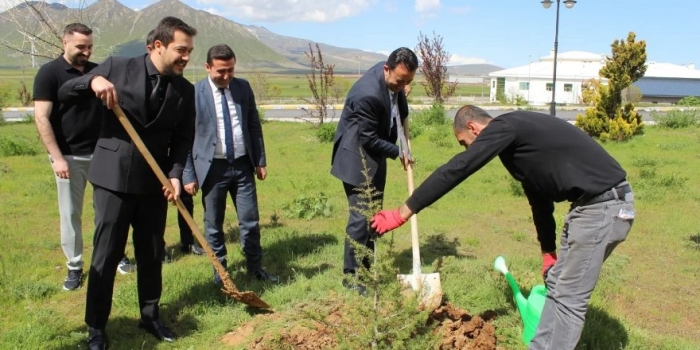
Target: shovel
x=530, y=308
x=248, y=298
x=427, y=286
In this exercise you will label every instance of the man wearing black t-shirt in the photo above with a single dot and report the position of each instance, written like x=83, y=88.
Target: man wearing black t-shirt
x=69, y=133
x=554, y=161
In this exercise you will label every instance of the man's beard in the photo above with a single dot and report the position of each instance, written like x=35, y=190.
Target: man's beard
x=80, y=60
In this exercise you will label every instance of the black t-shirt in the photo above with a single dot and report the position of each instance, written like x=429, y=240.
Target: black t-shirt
x=554, y=160
x=76, y=126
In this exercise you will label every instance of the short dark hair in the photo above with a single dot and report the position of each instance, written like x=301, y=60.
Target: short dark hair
x=76, y=28
x=220, y=52
x=150, y=36
x=166, y=28
x=403, y=55
x=470, y=113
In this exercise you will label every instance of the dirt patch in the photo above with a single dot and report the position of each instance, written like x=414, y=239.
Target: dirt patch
x=459, y=330
x=455, y=328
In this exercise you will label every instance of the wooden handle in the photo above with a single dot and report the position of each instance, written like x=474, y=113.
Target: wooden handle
x=166, y=183
x=415, y=241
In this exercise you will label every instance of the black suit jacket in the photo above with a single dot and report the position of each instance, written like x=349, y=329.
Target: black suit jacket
x=365, y=129
x=117, y=164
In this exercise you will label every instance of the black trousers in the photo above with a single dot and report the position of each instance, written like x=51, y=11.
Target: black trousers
x=186, y=238
x=114, y=213
x=357, y=228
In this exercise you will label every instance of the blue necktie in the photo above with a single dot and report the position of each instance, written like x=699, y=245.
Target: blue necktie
x=228, y=131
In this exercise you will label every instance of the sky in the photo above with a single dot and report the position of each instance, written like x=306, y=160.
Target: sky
x=506, y=33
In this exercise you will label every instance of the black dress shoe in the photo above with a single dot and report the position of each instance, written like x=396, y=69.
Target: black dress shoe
x=158, y=329
x=191, y=249
x=354, y=286
x=97, y=339
x=262, y=275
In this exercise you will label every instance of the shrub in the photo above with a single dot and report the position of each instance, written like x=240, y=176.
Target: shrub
x=621, y=127
x=308, y=207
x=689, y=101
x=13, y=145
x=435, y=115
x=325, y=132
x=261, y=115
x=676, y=119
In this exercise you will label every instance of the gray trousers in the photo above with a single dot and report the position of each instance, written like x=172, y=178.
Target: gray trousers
x=590, y=234
x=71, y=192
x=238, y=181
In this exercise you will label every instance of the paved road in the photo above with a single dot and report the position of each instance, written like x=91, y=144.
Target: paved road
x=273, y=114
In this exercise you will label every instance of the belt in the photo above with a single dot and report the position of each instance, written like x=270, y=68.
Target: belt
x=617, y=192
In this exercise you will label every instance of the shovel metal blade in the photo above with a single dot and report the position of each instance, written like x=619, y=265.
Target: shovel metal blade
x=427, y=287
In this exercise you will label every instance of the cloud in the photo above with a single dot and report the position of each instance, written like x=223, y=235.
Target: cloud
x=290, y=10
x=457, y=59
x=423, y=6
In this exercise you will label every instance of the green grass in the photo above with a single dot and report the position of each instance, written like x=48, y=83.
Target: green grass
x=647, y=297
x=293, y=87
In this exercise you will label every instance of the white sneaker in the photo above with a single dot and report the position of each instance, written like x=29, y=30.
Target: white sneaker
x=125, y=266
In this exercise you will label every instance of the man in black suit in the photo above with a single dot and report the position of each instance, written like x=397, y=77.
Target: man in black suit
x=227, y=156
x=159, y=102
x=368, y=128
x=187, y=243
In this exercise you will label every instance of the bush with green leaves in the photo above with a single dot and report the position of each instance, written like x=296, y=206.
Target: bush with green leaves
x=17, y=145
x=326, y=132
x=677, y=119
x=689, y=101
x=308, y=207
x=435, y=115
x=261, y=115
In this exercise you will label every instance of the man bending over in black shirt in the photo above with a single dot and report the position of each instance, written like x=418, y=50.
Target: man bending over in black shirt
x=554, y=161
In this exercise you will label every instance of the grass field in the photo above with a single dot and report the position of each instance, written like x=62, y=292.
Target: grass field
x=647, y=297
x=293, y=87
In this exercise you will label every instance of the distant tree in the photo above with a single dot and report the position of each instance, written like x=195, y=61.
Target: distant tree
x=41, y=36
x=631, y=94
x=258, y=82
x=274, y=91
x=340, y=89
x=321, y=82
x=626, y=65
x=608, y=119
x=433, y=66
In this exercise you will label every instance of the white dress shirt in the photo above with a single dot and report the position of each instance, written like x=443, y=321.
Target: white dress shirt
x=238, y=144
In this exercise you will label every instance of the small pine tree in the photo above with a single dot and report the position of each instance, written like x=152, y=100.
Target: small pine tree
x=608, y=118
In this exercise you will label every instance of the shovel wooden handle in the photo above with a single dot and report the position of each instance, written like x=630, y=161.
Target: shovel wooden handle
x=415, y=242
x=166, y=183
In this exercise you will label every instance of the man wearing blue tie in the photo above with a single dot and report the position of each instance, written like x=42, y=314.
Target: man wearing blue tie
x=228, y=153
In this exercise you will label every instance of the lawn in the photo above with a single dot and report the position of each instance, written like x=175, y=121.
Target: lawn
x=293, y=88
x=647, y=297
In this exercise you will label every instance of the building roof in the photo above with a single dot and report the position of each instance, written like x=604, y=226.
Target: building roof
x=668, y=87
x=579, y=65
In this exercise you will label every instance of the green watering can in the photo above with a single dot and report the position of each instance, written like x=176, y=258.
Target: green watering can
x=531, y=308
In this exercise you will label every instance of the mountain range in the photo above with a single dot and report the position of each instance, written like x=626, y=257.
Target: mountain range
x=121, y=31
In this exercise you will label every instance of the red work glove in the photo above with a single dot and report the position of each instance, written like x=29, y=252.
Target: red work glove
x=387, y=220
x=548, y=260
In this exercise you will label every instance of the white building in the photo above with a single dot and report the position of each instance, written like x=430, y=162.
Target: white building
x=533, y=82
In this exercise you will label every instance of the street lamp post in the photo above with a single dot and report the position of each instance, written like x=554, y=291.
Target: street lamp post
x=358, y=66
x=546, y=4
